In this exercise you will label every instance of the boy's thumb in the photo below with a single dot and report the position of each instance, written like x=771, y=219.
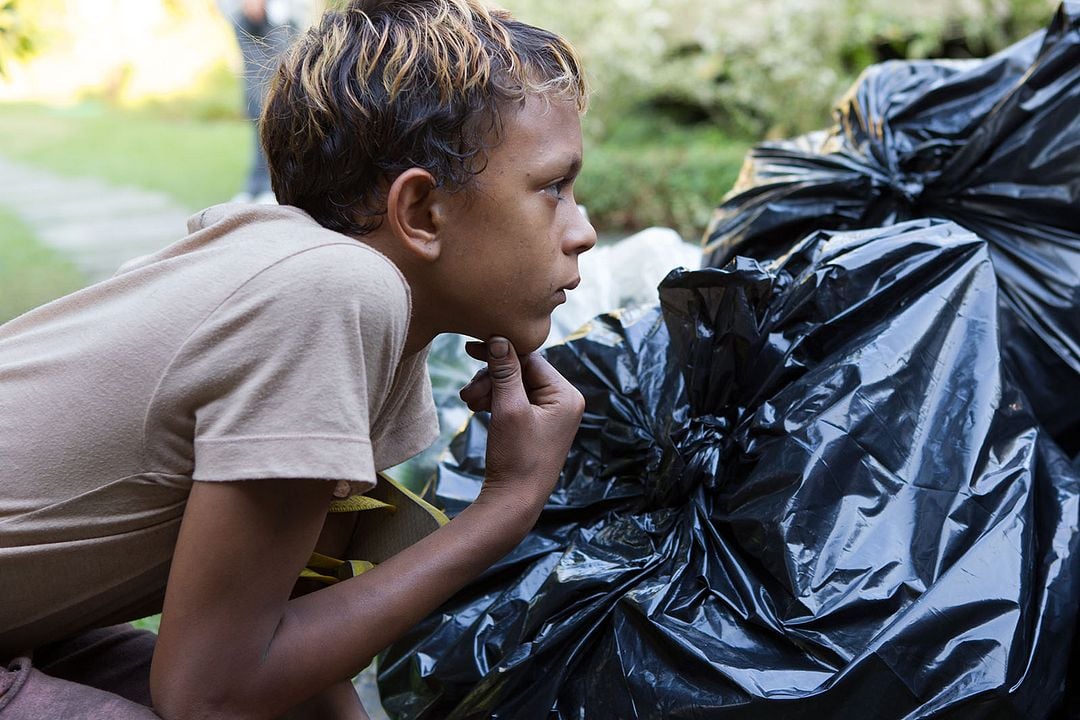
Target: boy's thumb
x=504, y=369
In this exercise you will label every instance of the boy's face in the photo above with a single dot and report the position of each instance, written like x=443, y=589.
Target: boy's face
x=511, y=243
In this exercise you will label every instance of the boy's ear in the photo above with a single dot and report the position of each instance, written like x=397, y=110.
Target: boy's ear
x=415, y=213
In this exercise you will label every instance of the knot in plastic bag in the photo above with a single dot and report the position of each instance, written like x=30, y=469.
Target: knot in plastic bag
x=900, y=187
x=694, y=461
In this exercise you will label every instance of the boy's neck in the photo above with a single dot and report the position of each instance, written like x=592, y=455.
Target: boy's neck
x=421, y=328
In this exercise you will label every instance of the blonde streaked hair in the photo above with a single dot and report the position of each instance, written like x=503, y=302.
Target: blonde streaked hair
x=386, y=85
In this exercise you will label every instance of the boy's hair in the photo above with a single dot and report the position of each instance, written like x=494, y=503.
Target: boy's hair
x=386, y=85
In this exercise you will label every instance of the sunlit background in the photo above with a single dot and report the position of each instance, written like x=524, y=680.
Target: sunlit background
x=125, y=51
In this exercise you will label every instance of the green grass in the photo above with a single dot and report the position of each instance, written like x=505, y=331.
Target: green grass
x=30, y=274
x=198, y=162
x=650, y=172
x=148, y=623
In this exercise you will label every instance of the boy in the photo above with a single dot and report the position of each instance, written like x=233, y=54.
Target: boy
x=182, y=429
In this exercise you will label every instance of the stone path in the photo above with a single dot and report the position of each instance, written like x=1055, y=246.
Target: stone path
x=100, y=227
x=97, y=225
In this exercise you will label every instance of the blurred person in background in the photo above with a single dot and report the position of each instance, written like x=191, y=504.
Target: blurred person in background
x=264, y=29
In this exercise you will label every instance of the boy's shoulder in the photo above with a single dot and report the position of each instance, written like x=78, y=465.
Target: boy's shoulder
x=263, y=269
x=235, y=243
x=278, y=259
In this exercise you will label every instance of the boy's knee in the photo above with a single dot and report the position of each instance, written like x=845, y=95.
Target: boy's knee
x=27, y=693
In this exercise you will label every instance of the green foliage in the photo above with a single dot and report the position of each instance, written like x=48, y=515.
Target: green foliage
x=27, y=27
x=30, y=273
x=647, y=174
x=151, y=623
x=772, y=67
x=17, y=34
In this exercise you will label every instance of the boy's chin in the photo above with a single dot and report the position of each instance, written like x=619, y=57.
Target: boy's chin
x=529, y=339
x=526, y=337
x=526, y=345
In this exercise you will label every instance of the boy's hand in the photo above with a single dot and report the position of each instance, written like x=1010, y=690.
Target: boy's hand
x=535, y=413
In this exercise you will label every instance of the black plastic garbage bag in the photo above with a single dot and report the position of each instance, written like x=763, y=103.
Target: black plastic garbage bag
x=794, y=494
x=993, y=145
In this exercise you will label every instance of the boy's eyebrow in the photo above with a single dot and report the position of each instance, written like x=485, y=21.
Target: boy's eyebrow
x=571, y=163
x=570, y=167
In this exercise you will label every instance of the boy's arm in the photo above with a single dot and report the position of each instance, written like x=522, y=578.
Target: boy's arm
x=233, y=645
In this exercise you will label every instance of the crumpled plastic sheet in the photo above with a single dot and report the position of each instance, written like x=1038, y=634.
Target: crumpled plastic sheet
x=806, y=488
x=993, y=145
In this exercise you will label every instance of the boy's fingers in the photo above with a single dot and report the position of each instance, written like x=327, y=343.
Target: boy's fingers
x=537, y=381
x=480, y=405
x=504, y=371
x=476, y=350
x=477, y=394
x=546, y=387
x=539, y=375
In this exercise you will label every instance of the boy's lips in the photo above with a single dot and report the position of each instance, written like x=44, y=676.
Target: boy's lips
x=560, y=294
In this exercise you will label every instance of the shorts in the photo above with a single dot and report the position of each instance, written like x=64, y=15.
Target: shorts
x=103, y=674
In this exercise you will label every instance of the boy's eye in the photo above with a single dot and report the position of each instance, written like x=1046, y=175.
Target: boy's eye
x=556, y=188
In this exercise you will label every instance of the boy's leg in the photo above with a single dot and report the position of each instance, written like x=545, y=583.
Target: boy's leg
x=114, y=659
x=26, y=693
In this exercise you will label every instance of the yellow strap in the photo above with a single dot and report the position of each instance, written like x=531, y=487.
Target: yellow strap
x=357, y=567
x=330, y=570
x=358, y=503
x=323, y=562
x=312, y=575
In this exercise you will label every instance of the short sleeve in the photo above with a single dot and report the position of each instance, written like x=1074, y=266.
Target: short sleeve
x=284, y=378
x=408, y=423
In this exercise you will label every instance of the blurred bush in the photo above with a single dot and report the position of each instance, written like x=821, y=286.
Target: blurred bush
x=121, y=50
x=216, y=94
x=19, y=32
x=771, y=67
x=651, y=172
x=680, y=88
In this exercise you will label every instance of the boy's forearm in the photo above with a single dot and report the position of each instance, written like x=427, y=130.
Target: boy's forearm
x=232, y=643
x=340, y=629
x=338, y=702
x=334, y=633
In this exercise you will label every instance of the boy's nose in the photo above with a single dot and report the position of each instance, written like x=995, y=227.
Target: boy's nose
x=582, y=235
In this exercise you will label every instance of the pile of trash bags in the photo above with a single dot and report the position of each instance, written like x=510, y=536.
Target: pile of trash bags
x=801, y=489
x=822, y=477
x=993, y=145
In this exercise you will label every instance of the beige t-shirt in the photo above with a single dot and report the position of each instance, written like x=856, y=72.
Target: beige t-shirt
x=260, y=346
